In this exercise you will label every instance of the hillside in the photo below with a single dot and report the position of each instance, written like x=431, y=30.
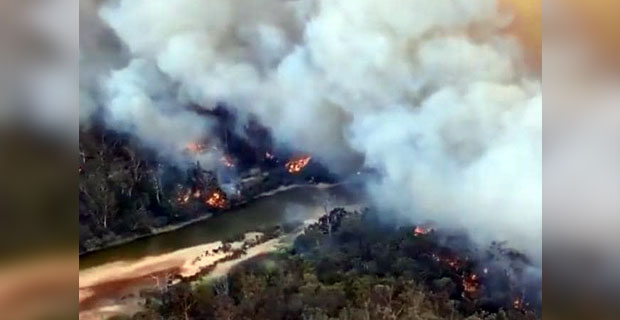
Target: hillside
x=350, y=266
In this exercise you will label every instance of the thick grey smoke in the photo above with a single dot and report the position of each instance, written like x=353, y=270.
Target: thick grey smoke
x=141, y=103
x=432, y=94
x=100, y=52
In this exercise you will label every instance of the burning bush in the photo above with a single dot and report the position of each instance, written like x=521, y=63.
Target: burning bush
x=217, y=199
x=196, y=147
x=471, y=285
x=295, y=165
x=184, y=196
x=422, y=230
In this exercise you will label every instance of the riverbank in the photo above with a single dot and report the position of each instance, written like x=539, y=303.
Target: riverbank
x=115, y=288
x=180, y=225
x=154, y=232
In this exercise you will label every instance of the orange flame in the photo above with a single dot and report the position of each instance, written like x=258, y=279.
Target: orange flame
x=451, y=262
x=471, y=284
x=196, y=147
x=183, y=198
x=420, y=231
x=519, y=303
x=217, y=199
x=297, y=164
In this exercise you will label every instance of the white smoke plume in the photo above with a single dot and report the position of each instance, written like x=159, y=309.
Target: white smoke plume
x=432, y=94
x=100, y=52
x=140, y=103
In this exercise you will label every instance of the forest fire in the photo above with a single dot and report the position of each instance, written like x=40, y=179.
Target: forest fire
x=297, y=164
x=227, y=161
x=196, y=147
x=452, y=262
x=471, y=285
x=330, y=161
x=184, y=197
x=519, y=304
x=217, y=199
x=421, y=230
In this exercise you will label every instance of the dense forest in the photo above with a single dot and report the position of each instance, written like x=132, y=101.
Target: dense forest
x=127, y=190
x=349, y=265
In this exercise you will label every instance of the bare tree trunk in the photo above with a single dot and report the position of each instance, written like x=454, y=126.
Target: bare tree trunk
x=136, y=177
x=326, y=205
x=186, y=308
x=82, y=156
x=157, y=190
x=329, y=227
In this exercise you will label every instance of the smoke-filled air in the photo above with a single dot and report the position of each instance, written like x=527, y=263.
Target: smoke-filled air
x=434, y=96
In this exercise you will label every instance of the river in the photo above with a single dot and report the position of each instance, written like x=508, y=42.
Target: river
x=295, y=204
x=110, y=280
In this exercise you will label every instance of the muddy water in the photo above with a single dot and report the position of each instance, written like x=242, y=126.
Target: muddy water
x=295, y=204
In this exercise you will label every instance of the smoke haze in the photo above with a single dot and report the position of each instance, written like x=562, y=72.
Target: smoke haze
x=434, y=95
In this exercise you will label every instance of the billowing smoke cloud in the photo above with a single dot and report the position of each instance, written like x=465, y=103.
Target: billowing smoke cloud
x=432, y=94
x=100, y=52
x=140, y=103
